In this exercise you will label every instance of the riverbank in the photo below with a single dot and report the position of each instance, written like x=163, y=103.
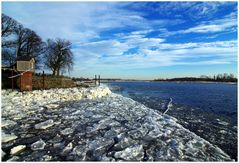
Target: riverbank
x=94, y=124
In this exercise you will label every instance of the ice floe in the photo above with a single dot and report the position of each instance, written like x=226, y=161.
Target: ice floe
x=16, y=150
x=94, y=124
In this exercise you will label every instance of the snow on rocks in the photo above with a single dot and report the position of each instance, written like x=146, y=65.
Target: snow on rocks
x=44, y=125
x=16, y=150
x=95, y=124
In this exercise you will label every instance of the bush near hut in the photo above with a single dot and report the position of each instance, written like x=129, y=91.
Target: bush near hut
x=6, y=81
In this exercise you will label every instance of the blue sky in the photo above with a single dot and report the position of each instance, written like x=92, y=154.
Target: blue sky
x=138, y=40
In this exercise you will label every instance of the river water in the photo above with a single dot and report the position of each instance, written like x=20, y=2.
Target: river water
x=207, y=109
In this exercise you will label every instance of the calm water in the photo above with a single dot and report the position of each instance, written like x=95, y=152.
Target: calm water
x=207, y=109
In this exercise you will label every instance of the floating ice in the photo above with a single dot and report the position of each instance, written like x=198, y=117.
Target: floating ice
x=44, y=125
x=2, y=153
x=67, y=149
x=16, y=150
x=39, y=145
x=111, y=128
x=135, y=153
x=67, y=131
x=6, y=123
x=7, y=138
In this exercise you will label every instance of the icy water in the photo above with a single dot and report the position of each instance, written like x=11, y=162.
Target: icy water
x=207, y=109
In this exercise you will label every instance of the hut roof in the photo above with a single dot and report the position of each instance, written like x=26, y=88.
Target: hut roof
x=24, y=58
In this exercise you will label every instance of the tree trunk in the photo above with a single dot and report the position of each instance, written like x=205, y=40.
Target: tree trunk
x=58, y=72
x=54, y=72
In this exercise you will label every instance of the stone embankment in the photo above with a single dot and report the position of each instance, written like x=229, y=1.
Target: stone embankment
x=94, y=124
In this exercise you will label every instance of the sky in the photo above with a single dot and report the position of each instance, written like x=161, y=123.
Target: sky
x=138, y=40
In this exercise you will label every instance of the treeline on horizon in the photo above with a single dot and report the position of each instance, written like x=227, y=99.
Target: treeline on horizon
x=216, y=78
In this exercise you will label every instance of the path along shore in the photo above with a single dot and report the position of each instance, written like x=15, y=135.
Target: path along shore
x=79, y=124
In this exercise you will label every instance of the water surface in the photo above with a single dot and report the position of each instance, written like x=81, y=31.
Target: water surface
x=207, y=109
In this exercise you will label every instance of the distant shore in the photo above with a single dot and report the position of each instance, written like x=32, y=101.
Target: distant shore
x=216, y=82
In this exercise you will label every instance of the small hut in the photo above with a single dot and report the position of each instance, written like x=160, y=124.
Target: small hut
x=26, y=66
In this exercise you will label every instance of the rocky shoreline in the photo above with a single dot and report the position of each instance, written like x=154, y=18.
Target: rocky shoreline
x=94, y=124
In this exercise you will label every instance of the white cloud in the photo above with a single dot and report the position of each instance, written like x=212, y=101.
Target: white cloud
x=165, y=54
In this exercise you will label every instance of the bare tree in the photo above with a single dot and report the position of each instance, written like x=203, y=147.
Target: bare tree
x=58, y=56
x=20, y=41
x=8, y=25
x=8, y=56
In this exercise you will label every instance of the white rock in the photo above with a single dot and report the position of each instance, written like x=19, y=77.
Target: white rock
x=39, y=145
x=44, y=125
x=16, y=150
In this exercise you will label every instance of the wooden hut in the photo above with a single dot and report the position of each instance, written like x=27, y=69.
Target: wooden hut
x=26, y=66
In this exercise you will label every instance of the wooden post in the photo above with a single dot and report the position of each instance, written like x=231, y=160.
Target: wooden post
x=12, y=80
x=95, y=79
x=99, y=79
x=43, y=79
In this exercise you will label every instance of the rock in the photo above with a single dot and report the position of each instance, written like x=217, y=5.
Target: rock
x=18, y=149
x=39, y=145
x=7, y=137
x=135, y=153
x=44, y=125
x=67, y=131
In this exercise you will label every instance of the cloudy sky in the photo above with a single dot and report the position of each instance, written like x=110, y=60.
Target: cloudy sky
x=140, y=40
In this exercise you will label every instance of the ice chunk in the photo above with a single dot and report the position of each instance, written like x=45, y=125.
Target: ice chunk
x=13, y=159
x=67, y=131
x=3, y=153
x=135, y=153
x=16, y=150
x=44, y=125
x=39, y=145
x=7, y=138
x=67, y=149
x=8, y=123
x=51, y=106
